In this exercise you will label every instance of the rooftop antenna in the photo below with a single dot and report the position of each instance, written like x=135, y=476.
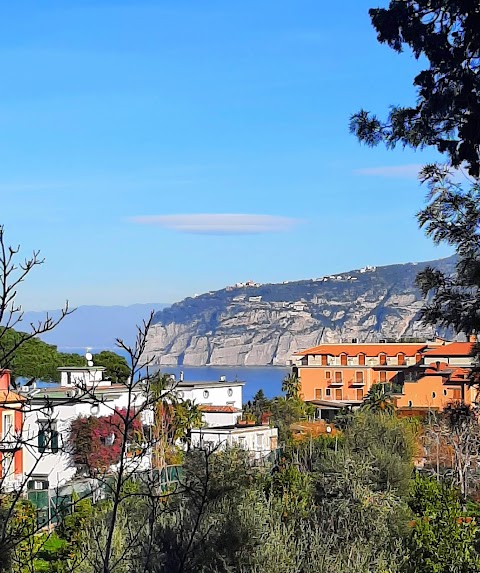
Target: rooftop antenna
x=89, y=359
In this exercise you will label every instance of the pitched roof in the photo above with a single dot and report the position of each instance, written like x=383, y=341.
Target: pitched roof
x=391, y=349
x=452, y=349
x=8, y=397
x=460, y=374
x=218, y=409
x=442, y=367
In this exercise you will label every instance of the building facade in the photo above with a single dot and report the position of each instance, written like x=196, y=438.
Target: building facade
x=345, y=372
x=11, y=425
x=421, y=376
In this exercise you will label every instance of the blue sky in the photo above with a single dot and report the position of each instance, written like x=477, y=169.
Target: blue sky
x=118, y=119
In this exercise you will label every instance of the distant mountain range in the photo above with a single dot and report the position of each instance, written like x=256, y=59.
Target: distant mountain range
x=266, y=324
x=93, y=326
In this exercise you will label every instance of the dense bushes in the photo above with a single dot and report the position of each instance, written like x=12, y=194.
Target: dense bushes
x=352, y=504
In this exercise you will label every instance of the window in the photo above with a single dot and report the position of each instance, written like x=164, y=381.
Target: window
x=338, y=377
x=343, y=360
x=401, y=359
x=318, y=393
x=383, y=359
x=433, y=395
x=108, y=440
x=328, y=392
x=328, y=375
x=409, y=403
x=8, y=467
x=457, y=394
x=382, y=376
x=361, y=359
x=230, y=392
x=7, y=425
x=338, y=394
x=324, y=360
x=259, y=441
x=38, y=483
x=47, y=436
x=444, y=392
x=359, y=377
x=206, y=393
x=359, y=394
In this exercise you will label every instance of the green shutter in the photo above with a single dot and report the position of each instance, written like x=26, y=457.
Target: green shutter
x=41, y=441
x=54, y=441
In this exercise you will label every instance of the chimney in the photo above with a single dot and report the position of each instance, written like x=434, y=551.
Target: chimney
x=4, y=380
x=472, y=338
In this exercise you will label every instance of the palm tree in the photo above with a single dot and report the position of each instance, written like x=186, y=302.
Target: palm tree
x=378, y=400
x=291, y=385
x=187, y=415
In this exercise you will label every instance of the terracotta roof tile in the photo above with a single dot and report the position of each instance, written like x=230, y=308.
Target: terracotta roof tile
x=452, y=349
x=460, y=374
x=368, y=349
x=218, y=409
x=434, y=370
x=10, y=396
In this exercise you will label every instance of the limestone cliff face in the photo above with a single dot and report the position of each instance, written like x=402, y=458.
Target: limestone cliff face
x=265, y=325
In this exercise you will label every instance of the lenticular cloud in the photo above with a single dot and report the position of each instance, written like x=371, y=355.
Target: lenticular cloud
x=220, y=224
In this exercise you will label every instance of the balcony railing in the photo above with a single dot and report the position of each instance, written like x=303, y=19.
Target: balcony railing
x=9, y=443
x=357, y=382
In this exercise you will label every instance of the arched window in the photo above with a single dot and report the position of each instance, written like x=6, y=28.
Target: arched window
x=383, y=359
x=361, y=359
x=343, y=360
x=324, y=360
x=401, y=359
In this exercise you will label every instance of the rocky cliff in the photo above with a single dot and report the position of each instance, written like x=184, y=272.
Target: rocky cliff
x=266, y=324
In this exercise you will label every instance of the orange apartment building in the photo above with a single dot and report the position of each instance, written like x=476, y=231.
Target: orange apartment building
x=422, y=376
x=11, y=425
x=443, y=378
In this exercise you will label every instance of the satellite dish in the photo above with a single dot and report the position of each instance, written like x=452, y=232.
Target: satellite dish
x=88, y=356
x=90, y=363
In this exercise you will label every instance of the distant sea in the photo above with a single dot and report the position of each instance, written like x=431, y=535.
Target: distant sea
x=267, y=378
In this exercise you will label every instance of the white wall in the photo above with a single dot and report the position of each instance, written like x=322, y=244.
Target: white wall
x=257, y=439
x=86, y=377
x=58, y=466
x=213, y=419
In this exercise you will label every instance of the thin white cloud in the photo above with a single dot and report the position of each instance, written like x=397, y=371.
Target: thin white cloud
x=409, y=171
x=219, y=223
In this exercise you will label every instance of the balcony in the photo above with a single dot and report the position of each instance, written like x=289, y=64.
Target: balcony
x=336, y=382
x=357, y=382
x=10, y=443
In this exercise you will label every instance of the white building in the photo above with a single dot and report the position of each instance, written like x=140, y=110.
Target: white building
x=49, y=412
x=260, y=440
x=83, y=391
x=221, y=404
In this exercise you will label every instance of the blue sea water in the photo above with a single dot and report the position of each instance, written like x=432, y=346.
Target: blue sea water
x=267, y=378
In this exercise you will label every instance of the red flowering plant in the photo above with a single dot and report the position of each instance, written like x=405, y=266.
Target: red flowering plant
x=96, y=443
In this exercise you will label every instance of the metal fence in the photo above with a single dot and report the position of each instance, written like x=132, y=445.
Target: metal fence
x=53, y=504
